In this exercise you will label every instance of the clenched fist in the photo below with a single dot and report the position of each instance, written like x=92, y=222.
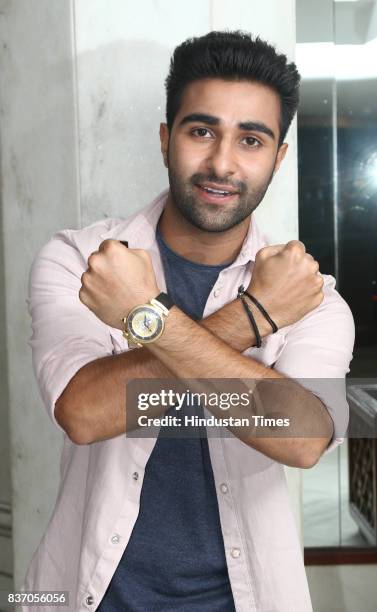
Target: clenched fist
x=286, y=282
x=117, y=279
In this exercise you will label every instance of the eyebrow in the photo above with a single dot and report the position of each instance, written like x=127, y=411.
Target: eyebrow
x=250, y=126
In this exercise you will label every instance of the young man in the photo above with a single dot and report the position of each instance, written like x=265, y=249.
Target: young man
x=188, y=524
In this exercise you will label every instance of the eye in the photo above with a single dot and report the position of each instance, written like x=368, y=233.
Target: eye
x=201, y=132
x=251, y=142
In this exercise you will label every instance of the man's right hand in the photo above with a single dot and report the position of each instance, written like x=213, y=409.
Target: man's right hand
x=286, y=282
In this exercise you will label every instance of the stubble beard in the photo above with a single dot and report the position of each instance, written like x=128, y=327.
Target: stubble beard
x=214, y=217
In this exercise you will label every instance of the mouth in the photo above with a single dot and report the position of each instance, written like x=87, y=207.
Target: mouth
x=216, y=194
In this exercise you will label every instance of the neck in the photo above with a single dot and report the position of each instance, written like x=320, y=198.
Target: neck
x=211, y=248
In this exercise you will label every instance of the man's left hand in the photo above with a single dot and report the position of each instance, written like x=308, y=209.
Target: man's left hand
x=117, y=279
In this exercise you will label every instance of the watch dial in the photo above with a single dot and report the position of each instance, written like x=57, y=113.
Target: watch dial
x=145, y=324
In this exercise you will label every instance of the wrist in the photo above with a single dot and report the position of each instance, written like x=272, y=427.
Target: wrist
x=142, y=297
x=251, y=298
x=264, y=327
x=145, y=322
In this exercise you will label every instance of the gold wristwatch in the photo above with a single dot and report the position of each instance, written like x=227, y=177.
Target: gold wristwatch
x=146, y=323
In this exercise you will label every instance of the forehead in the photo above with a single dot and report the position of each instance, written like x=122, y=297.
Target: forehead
x=231, y=101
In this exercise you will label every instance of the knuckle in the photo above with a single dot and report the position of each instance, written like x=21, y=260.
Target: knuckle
x=296, y=246
x=93, y=260
x=319, y=281
x=301, y=245
x=144, y=254
x=107, y=245
x=82, y=295
x=291, y=244
x=85, y=279
x=262, y=252
x=265, y=253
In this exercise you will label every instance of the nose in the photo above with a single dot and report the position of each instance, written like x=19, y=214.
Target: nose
x=221, y=160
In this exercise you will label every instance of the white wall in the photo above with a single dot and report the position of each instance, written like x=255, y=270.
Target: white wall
x=122, y=61
x=40, y=195
x=81, y=100
x=6, y=552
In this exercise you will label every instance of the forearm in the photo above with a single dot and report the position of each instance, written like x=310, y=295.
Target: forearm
x=190, y=352
x=93, y=405
x=231, y=325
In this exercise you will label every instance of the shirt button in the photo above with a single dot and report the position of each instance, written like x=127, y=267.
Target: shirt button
x=235, y=552
x=216, y=293
x=135, y=475
x=224, y=488
x=89, y=600
x=115, y=539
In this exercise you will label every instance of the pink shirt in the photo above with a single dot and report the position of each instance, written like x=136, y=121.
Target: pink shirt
x=99, y=493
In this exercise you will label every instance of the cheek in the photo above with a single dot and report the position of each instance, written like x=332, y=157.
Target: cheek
x=258, y=169
x=185, y=160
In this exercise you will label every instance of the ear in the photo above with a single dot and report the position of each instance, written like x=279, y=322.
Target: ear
x=280, y=156
x=164, y=140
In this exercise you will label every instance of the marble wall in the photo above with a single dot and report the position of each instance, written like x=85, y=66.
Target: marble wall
x=81, y=100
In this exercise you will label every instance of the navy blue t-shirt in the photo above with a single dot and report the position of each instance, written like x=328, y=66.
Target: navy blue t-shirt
x=175, y=559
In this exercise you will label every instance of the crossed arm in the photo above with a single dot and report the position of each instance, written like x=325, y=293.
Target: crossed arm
x=92, y=406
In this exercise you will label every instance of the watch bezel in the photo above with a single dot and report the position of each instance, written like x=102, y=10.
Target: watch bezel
x=135, y=337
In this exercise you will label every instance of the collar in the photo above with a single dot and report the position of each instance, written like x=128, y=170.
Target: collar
x=140, y=232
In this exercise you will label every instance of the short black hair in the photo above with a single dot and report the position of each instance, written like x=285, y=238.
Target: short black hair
x=233, y=56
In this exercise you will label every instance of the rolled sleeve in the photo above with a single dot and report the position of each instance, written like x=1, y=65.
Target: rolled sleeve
x=318, y=352
x=66, y=335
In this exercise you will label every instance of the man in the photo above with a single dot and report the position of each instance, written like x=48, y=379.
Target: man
x=188, y=524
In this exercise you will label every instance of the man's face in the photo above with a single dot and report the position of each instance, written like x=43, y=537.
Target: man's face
x=222, y=151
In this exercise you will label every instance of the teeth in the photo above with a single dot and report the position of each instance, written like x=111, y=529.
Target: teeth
x=216, y=191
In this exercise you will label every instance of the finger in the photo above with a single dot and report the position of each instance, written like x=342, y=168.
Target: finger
x=270, y=250
x=93, y=258
x=295, y=245
x=83, y=296
x=141, y=253
x=275, y=249
x=107, y=244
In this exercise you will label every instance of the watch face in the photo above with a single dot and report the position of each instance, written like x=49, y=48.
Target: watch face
x=145, y=324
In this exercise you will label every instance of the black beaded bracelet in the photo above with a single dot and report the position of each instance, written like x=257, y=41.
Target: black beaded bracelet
x=252, y=321
x=242, y=291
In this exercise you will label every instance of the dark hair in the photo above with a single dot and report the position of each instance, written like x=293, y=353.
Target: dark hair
x=232, y=56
